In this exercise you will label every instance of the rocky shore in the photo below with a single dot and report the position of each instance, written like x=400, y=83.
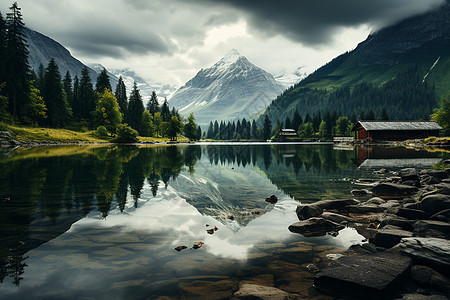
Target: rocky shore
x=407, y=227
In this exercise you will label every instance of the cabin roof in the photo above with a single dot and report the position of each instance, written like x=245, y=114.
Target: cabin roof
x=287, y=130
x=396, y=125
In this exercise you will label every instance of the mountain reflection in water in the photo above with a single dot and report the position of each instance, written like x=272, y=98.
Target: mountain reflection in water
x=117, y=201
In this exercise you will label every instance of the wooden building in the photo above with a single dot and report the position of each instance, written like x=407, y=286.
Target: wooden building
x=395, y=130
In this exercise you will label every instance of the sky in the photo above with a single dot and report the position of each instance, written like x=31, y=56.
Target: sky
x=169, y=41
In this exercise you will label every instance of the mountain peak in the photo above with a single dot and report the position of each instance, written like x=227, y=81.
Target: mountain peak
x=230, y=58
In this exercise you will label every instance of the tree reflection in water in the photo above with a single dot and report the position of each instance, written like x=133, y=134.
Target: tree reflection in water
x=43, y=191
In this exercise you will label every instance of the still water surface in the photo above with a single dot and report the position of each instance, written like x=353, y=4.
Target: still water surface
x=102, y=222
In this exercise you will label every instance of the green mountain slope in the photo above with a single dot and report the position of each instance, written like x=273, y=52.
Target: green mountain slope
x=404, y=69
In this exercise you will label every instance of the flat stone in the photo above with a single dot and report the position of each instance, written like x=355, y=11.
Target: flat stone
x=364, y=276
x=375, y=200
x=412, y=214
x=432, y=252
x=421, y=227
x=435, y=203
x=337, y=218
x=393, y=190
x=366, y=208
x=315, y=227
x=307, y=211
x=388, y=238
x=397, y=221
x=253, y=291
x=336, y=204
x=202, y=289
x=359, y=193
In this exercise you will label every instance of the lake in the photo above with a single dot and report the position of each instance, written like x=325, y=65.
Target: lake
x=103, y=222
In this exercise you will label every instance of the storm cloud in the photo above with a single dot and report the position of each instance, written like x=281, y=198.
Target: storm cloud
x=173, y=39
x=315, y=22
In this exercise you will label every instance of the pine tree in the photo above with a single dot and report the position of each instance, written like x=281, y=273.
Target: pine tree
x=287, y=123
x=135, y=109
x=190, y=129
x=67, y=85
x=3, y=52
x=40, y=77
x=85, y=103
x=254, y=130
x=267, y=128
x=153, y=105
x=102, y=82
x=121, y=96
x=165, y=112
x=59, y=111
x=148, y=128
x=210, y=131
x=199, y=133
x=17, y=67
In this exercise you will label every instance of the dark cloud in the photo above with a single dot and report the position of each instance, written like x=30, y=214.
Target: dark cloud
x=315, y=21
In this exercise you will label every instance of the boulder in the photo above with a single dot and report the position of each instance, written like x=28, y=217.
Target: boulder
x=435, y=203
x=337, y=218
x=408, y=174
x=254, y=291
x=376, y=200
x=412, y=214
x=360, y=193
x=423, y=228
x=315, y=227
x=393, y=190
x=307, y=211
x=397, y=221
x=438, y=174
x=364, y=276
x=428, y=278
x=432, y=252
x=336, y=204
x=388, y=238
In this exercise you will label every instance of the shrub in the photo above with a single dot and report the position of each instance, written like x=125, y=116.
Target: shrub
x=126, y=134
x=101, y=132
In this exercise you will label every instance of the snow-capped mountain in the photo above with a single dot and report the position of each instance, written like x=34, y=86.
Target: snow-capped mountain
x=290, y=79
x=233, y=88
x=145, y=88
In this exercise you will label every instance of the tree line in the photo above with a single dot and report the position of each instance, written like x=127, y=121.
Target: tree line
x=44, y=98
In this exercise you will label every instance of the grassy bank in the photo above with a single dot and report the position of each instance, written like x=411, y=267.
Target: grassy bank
x=59, y=135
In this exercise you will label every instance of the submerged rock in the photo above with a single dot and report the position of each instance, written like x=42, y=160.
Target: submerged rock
x=307, y=211
x=253, y=291
x=393, y=190
x=197, y=245
x=364, y=276
x=272, y=199
x=336, y=204
x=315, y=227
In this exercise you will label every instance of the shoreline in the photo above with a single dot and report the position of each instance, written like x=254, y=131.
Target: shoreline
x=407, y=226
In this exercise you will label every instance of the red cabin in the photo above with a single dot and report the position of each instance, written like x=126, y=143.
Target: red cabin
x=395, y=130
